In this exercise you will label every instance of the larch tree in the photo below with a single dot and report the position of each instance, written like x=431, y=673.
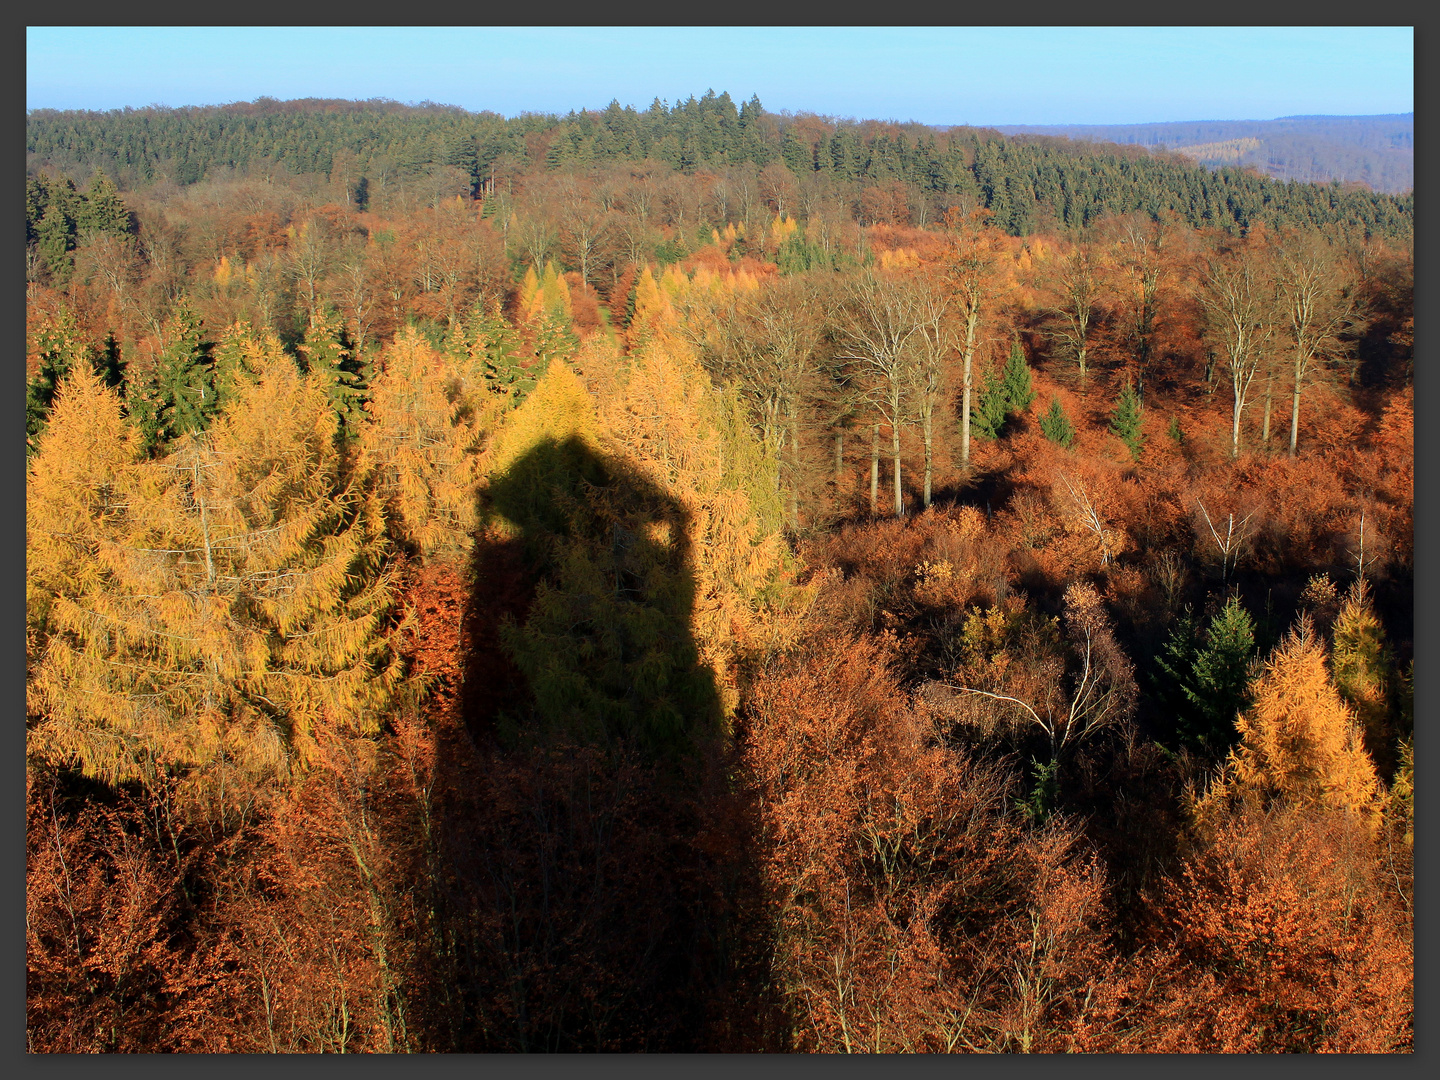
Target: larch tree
x=1365, y=670
x=428, y=419
x=237, y=598
x=1299, y=743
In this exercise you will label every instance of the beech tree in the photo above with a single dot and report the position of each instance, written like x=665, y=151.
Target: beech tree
x=970, y=269
x=1075, y=286
x=1317, y=307
x=878, y=336
x=1237, y=300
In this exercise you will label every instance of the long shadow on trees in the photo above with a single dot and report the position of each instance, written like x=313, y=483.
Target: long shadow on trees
x=592, y=868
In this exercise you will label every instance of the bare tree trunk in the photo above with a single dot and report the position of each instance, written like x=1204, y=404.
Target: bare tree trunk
x=1265, y=424
x=929, y=429
x=875, y=469
x=839, y=456
x=895, y=445
x=1295, y=401
x=794, y=467
x=970, y=323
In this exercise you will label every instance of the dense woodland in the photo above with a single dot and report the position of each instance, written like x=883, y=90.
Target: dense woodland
x=1376, y=150
x=707, y=580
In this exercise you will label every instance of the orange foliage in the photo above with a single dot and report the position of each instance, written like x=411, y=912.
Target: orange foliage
x=1281, y=935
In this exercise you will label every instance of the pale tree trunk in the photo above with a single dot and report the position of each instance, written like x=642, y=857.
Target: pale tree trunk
x=1295, y=400
x=794, y=467
x=895, y=445
x=928, y=426
x=839, y=456
x=875, y=469
x=1235, y=426
x=972, y=319
x=1265, y=424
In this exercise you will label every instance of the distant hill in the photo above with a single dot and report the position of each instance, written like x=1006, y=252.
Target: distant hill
x=1376, y=150
x=887, y=172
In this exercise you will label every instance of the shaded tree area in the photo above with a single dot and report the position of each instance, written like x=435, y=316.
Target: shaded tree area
x=462, y=614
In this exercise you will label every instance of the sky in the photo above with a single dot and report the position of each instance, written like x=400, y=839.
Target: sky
x=947, y=75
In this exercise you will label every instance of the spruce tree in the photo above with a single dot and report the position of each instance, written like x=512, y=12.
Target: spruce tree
x=329, y=356
x=1018, y=391
x=1205, y=677
x=1126, y=420
x=992, y=408
x=1056, y=426
x=178, y=395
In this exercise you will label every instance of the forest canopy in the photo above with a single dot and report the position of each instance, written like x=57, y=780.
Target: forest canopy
x=702, y=579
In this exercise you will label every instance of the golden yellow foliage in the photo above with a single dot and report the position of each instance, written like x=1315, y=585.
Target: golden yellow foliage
x=427, y=424
x=237, y=593
x=1299, y=742
x=75, y=497
x=666, y=420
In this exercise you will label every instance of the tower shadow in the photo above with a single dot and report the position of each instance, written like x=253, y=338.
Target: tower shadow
x=595, y=883
x=605, y=647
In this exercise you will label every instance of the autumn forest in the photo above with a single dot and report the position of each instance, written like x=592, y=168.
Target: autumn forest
x=705, y=579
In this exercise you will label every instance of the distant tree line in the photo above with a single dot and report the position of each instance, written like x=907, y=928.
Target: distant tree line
x=1028, y=184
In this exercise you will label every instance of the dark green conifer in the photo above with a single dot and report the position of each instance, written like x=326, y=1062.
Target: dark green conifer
x=1205, y=682
x=1018, y=391
x=1126, y=420
x=1056, y=426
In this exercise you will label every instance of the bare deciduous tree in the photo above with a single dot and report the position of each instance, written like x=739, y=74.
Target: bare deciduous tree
x=1238, y=303
x=878, y=336
x=1317, y=307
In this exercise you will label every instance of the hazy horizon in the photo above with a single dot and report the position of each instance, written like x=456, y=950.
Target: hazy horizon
x=946, y=76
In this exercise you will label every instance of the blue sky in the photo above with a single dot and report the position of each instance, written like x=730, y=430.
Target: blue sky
x=975, y=75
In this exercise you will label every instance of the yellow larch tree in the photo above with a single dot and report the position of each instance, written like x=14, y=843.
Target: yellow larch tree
x=76, y=499
x=694, y=442
x=1364, y=670
x=428, y=422
x=237, y=594
x=1300, y=743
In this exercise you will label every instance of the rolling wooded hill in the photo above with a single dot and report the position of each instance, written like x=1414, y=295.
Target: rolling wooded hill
x=1378, y=151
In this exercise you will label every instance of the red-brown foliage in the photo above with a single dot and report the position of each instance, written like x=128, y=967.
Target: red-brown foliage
x=1280, y=935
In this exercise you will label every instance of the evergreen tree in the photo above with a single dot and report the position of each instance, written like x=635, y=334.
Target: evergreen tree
x=1206, y=682
x=495, y=354
x=102, y=210
x=1018, y=391
x=178, y=395
x=1126, y=420
x=992, y=408
x=55, y=239
x=1299, y=742
x=329, y=356
x=1056, y=426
